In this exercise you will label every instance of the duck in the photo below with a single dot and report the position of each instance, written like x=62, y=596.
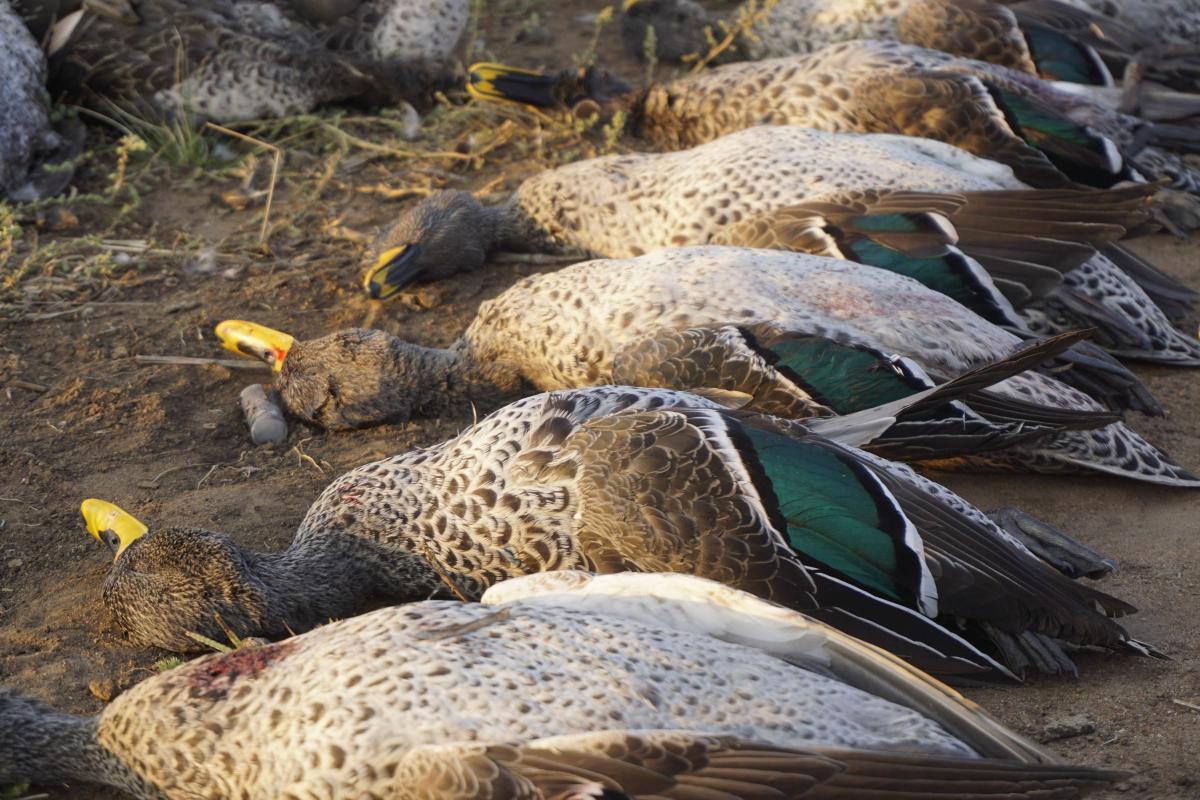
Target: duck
x=1156, y=39
x=242, y=60
x=718, y=317
x=558, y=688
x=978, y=29
x=28, y=139
x=616, y=479
x=973, y=230
x=24, y=115
x=1051, y=134
x=826, y=375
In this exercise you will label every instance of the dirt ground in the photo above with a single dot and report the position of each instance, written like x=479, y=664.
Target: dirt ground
x=81, y=417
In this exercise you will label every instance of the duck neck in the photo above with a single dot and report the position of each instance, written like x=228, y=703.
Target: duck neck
x=330, y=574
x=456, y=373
x=50, y=748
x=505, y=227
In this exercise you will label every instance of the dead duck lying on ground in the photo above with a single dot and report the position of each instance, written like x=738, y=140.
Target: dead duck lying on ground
x=614, y=479
x=1046, y=38
x=28, y=140
x=231, y=60
x=358, y=378
x=619, y=319
x=1049, y=136
x=960, y=224
x=977, y=29
x=563, y=686
x=1156, y=38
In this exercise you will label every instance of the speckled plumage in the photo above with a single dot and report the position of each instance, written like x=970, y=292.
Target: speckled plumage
x=606, y=479
x=243, y=59
x=24, y=119
x=887, y=87
x=1165, y=22
x=408, y=30
x=969, y=28
x=565, y=329
x=548, y=694
x=621, y=206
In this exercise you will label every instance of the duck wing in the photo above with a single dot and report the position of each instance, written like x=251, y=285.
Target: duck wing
x=1023, y=240
x=696, y=605
x=694, y=765
x=977, y=29
x=884, y=399
x=692, y=491
x=916, y=101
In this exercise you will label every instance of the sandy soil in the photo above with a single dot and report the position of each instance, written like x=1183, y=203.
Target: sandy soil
x=168, y=444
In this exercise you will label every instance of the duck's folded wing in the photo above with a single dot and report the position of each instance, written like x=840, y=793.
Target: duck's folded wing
x=978, y=29
x=798, y=375
x=982, y=576
x=987, y=250
x=696, y=605
x=693, y=765
x=986, y=31
x=691, y=491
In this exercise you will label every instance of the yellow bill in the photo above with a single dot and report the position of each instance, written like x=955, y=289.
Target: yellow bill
x=490, y=81
x=256, y=341
x=111, y=524
x=395, y=269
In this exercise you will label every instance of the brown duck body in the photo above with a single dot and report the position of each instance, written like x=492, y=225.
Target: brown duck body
x=616, y=479
x=977, y=29
x=873, y=87
x=568, y=329
x=238, y=60
x=559, y=688
x=24, y=116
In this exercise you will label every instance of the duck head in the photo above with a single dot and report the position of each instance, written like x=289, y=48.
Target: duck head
x=444, y=234
x=166, y=583
x=354, y=378
x=678, y=28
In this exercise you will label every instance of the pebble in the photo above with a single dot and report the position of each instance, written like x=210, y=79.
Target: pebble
x=15, y=563
x=1068, y=728
x=102, y=690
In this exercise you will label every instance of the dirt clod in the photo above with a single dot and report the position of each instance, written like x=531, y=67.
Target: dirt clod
x=1068, y=728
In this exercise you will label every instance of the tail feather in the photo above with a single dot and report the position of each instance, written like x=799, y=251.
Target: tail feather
x=1090, y=369
x=1128, y=323
x=1173, y=298
x=1113, y=450
x=1028, y=651
x=1058, y=549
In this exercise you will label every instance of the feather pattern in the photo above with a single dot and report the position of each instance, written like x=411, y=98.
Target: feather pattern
x=773, y=186
x=545, y=697
x=231, y=60
x=542, y=326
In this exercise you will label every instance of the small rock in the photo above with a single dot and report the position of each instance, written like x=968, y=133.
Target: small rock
x=15, y=563
x=1068, y=728
x=102, y=690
